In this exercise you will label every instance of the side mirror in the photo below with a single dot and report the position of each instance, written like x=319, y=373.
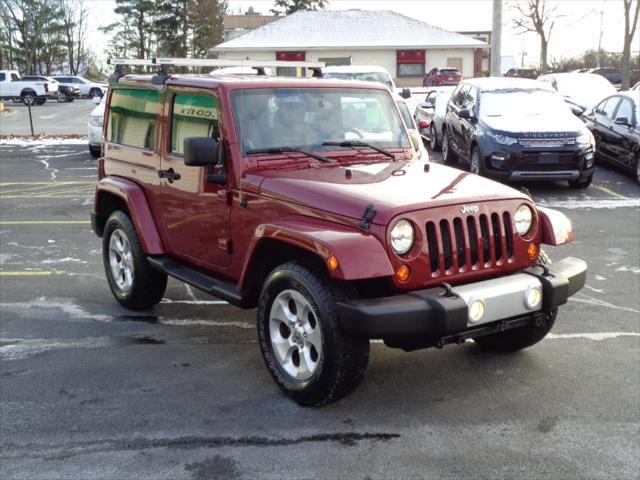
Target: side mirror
x=96, y=99
x=406, y=93
x=416, y=139
x=200, y=151
x=464, y=113
x=623, y=121
x=424, y=123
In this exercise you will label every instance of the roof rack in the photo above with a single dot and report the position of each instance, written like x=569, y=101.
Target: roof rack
x=165, y=63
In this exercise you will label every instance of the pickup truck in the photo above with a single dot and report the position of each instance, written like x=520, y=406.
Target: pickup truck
x=12, y=87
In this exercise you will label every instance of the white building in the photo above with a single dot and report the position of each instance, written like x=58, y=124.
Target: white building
x=406, y=47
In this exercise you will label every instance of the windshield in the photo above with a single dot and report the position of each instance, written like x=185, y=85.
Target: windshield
x=586, y=90
x=522, y=102
x=379, y=77
x=309, y=117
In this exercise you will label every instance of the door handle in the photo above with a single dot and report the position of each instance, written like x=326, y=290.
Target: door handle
x=170, y=175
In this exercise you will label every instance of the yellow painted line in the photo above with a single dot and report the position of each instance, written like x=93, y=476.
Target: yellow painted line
x=70, y=182
x=45, y=222
x=611, y=192
x=23, y=197
x=31, y=274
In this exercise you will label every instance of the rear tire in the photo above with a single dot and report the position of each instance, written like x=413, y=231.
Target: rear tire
x=95, y=151
x=522, y=337
x=448, y=156
x=303, y=345
x=28, y=98
x=133, y=282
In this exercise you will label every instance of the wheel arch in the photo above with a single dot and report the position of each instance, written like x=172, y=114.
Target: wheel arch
x=359, y=255
x=114, y=194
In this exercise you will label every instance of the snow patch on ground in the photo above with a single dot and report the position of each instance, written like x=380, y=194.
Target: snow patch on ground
x=599, y=336
x=588, y=204
x=27, y=142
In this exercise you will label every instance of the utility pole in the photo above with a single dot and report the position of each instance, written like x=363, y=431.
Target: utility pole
x=496, y=38
x=599, y=41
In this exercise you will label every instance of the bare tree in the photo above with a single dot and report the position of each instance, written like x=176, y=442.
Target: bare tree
x=536, y=16
x=630, y=25
x=75, y=17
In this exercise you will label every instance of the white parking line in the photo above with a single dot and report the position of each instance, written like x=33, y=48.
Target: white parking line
x=599, y=336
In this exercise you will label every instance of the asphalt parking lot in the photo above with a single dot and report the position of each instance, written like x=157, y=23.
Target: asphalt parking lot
x=90, y=390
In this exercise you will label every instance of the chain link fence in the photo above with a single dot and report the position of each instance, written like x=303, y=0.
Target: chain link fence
x=54, y=117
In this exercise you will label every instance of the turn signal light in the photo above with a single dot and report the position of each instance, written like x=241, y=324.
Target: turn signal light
x=532, y=251
x=332, y=263
x=403, y=273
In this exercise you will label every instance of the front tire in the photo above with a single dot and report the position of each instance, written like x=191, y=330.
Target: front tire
x=95, y=92
x=581, y=183
x=28, y=98
x=133, y=282
x=476, y=165
x=448, y=156
x=433, y=138
x=95, y=151
x=304, y=348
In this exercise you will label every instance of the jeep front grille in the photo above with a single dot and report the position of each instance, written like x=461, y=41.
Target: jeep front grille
x=469, y=243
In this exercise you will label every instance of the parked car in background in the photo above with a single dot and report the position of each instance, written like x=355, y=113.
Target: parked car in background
x=13, y=87
x=411, y=125
x=239, y=71
x=87, y=88
x=615, y=124
x=516, y=129
x=94, y=127
x=52, y=85
x=530, y=73
x=441, y=76
x=636, y=87
x=430, y=114
x=580, y=90
x=612, y=74
x=367, y=73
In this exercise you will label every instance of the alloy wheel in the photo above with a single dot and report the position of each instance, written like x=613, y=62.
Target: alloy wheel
x=296, y=337
x=433, y=142
x=121, y=260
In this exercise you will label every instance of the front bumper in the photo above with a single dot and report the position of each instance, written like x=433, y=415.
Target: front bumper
x=430, y=315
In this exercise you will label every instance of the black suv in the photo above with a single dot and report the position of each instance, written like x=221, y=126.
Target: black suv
x=516, y=129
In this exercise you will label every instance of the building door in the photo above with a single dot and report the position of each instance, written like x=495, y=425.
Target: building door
x=455, y=62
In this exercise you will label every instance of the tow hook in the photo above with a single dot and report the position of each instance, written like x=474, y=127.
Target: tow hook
x=447, y=290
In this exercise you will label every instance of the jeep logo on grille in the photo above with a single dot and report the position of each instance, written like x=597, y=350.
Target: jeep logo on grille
x=469, y=209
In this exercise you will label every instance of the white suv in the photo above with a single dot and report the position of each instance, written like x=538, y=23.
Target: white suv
x=87, y=87
x=94, y=128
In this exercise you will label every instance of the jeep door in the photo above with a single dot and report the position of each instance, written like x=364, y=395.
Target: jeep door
x=195, y=213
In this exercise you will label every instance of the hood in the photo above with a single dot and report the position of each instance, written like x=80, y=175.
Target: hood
x=392, y=187
x=543, y=123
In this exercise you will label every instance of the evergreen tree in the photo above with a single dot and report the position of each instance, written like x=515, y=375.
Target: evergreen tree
x=205, y=20
x=136, y=25
x=171, y=27
x=287, y=7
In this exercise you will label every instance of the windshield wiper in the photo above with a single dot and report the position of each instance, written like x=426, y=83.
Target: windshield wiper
x=256, y=151
x=358, y=143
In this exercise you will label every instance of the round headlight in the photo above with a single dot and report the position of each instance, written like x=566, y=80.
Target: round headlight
x=402, y=236
x=523, y=219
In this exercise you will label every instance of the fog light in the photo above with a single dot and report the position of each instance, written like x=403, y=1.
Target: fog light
x=532, y=297
x=476, y=311
x=497, y=161
x=588, y=160
x=532, y=251
x=403, y=273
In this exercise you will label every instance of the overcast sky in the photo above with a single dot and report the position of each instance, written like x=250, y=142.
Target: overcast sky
x=577, y=28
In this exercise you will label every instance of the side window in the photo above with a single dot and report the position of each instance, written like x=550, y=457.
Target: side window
x=132, y=118
x=610, y=107
x=431, y=98
x=470, y=99
x=14, y=77
x=600, y=107
x=2, y=77
x=625, y=110
x=460, y=96
x=193, y=116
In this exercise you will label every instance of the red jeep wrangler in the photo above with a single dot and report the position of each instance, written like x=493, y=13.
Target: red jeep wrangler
x=305, y=199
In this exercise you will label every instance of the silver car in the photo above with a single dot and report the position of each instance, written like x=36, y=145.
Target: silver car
x=430, y=114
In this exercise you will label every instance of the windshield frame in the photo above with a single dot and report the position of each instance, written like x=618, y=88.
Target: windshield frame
x=401, y=140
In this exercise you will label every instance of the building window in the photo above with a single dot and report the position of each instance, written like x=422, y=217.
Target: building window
x=290, y=71
x=335, y=61
x=410, y=63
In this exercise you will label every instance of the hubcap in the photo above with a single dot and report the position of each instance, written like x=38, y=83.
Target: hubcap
x=296, y=338
x=121, y=260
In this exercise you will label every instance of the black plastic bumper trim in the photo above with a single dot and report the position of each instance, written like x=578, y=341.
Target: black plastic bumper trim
x=429, y=314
